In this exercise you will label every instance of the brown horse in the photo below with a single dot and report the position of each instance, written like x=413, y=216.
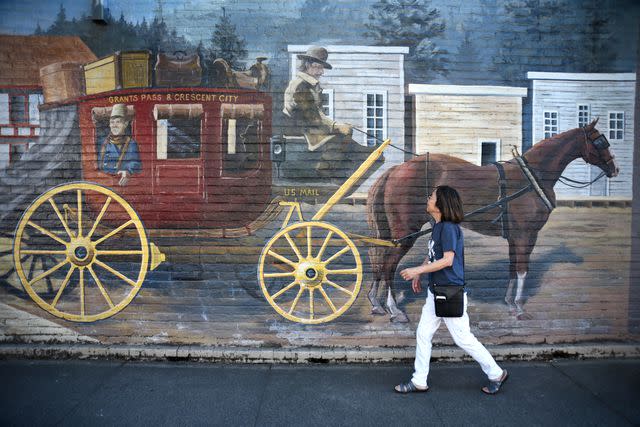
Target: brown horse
x=396, y=205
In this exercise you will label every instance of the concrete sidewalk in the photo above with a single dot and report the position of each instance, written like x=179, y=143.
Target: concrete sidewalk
x=70, y=392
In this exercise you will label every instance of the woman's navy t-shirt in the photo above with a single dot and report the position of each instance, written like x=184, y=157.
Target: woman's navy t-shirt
x=447, y=237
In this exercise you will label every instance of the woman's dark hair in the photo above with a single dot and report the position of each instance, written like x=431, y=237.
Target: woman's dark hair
x=449, y=203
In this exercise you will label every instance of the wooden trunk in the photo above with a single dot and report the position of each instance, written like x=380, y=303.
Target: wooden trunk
x=122, y=70
x=135, y=69
x=61, y=81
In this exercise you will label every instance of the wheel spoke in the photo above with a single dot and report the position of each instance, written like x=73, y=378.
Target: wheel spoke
x=95, y=223
x=116, y=231
x=49, y=271
x=125, y=252
x=102, y=289
x=338, y=287
x=310, y=303
x=290, y=273
x=82, y=292
x=308, y=241
x=47, y=232
x=79, y=213
x=324, y=244
x=285, y=289
x=32, y=265
x=115, y=272
x=295, y=301
x=41, y=252
x=293, y=245
x=62, y=286
x=57, y=211
x=283, y=259
x=337, y=254
x=343, y=271
x=327, y=299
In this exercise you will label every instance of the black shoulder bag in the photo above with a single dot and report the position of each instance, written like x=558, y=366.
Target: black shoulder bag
x=449, y=299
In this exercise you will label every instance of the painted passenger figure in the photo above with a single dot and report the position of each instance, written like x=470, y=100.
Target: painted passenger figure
x=119, y=153
x=303, y=105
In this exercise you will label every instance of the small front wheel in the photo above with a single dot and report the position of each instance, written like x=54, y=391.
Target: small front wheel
x=310, y=272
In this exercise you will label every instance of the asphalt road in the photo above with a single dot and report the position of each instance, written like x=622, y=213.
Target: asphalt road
x=71, y=392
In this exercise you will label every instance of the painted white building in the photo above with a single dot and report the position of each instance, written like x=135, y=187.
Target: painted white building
x=365, y=88
x=479, y=124
x=563, y=101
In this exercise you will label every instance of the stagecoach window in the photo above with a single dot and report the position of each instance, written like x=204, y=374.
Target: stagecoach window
x=178, y=131
x=241, y=136
x=584, y=114
x=550, y=124
x=616, y=125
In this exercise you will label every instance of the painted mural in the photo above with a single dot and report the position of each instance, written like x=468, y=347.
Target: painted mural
x=216, y=174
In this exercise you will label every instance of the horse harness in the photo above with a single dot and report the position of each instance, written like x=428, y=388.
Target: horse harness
x=503, y=198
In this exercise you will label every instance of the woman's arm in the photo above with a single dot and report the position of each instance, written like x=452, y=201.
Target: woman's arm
x=444, y=262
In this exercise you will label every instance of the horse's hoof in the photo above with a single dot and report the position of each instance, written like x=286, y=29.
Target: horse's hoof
x=378, y=311
x=399, y=318
x=524, y=316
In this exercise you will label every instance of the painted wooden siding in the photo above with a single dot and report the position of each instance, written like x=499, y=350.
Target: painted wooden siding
x=454, y=124
x=602, y=96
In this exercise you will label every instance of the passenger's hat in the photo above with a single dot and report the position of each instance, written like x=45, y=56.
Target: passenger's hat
x=120, y=110
x=316, y=54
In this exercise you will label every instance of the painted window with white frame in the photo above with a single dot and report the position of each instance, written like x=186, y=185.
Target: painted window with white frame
x=616, y=125
x=327, y=102
x=584, y=115
x=550, y=123
x=375, y=116
x=488, y=151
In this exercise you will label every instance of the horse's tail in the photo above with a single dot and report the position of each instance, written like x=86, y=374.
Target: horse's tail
x=377, y=220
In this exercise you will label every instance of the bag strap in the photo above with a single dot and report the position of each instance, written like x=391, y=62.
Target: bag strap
x=122, y=153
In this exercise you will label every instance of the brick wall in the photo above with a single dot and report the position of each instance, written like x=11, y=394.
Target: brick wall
x=212, y=227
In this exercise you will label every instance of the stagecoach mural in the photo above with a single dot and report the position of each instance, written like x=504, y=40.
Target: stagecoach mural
x=221, y=174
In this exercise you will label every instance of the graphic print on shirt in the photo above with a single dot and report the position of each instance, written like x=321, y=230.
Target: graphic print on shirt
x=431, y=253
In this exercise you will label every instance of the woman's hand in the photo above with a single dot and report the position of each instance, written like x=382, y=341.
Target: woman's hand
x=416, y=286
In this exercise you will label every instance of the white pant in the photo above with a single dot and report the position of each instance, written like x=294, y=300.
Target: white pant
x=459, y=329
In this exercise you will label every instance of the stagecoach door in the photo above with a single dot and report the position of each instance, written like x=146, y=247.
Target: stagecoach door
x=178, y=166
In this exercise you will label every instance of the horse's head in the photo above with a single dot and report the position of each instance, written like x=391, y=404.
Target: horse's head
x=597, y=150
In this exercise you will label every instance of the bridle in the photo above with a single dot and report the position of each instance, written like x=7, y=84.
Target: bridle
x=600, y=143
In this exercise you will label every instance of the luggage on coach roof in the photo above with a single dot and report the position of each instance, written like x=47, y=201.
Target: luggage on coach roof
x=178, y=69
x=61, y=81
x=121, y=70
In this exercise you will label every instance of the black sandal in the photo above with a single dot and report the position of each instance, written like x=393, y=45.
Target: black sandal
x=494, y=386
x=409, y=387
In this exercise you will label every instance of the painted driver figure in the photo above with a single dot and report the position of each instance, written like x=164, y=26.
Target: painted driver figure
x=303, y=105
x=119, y=153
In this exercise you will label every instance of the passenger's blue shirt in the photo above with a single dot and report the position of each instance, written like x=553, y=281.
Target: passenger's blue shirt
x=447, y=237
x=110, y=153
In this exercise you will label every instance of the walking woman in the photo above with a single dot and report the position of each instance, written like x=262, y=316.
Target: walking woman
x=445, y=265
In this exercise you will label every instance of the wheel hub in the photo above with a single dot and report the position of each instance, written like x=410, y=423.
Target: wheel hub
x=81, y=252
x=310, y=274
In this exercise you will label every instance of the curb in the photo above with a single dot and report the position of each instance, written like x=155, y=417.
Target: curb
x=310, y=355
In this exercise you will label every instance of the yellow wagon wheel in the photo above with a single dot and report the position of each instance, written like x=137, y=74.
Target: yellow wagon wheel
x=310, y=272
x=86, y=266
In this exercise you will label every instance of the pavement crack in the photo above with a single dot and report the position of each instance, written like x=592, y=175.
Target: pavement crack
x=94, y=390
x=262, y=394
x=588, y=390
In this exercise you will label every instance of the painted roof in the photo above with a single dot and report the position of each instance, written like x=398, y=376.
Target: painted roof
x=296, y=48
x=538, y=75
x=423, y=89
x=21, y=57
